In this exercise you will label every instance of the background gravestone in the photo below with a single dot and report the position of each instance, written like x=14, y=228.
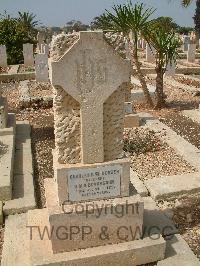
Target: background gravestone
x=3, y=56
x=41, y=68
x=28, y=54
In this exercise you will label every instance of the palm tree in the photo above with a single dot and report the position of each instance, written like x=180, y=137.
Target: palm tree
x=127, y=18
x=165, y=44
x=196, y=17
x=28, y=21
x=138, y=21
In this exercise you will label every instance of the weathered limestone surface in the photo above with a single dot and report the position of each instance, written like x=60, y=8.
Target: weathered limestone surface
x=103, y=214
x=17, y=239
x=113, y=126
x=61, y=43
x=67, y=127
x=92, y=82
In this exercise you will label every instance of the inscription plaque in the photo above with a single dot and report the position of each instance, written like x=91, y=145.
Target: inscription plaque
x=94, y=183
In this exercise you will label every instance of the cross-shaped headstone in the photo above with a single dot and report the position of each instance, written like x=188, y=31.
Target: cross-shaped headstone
x=90, y=71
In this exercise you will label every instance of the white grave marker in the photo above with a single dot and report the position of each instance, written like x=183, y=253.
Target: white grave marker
x=41, y=68
x=28, y=54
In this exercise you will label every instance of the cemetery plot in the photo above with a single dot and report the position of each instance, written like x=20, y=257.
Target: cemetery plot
x=151, y=157
x=78, y=149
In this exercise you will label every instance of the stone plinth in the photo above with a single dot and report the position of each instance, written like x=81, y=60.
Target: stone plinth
x=80, y=226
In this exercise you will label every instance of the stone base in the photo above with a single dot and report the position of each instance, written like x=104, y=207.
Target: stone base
x=84, y=222
x=63, y=173
x=38, y=251
x=131, y=120
x=23, y=194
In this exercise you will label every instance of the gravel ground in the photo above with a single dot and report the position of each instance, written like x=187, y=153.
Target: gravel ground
x=188, y=81
x=184, y=127
x=38, y=89
x=150, y=157
x=186, y=216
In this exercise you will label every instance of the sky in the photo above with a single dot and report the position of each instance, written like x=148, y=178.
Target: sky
x=59, y=12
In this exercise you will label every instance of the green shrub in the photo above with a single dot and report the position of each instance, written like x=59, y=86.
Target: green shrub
x=13, y=34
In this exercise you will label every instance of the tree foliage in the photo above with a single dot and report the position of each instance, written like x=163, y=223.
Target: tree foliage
x=75, y=25
x=14, y=33
x=167, y=24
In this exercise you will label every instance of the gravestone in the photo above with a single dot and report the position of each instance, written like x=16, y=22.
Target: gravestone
x=28, y=54
x=150, y=57
x=170, y=69
x=143, y=44
x=3, y=111
x=191, y=54
x=89, y=97
x=3, y=56
x=92, y=176
x=41, y=68
x=186, y=41
x=41, y=40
